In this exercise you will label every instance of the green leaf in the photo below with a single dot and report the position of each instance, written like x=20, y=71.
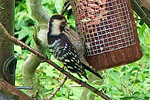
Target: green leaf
x=147, y=35
x=114, y=75
x=61, y=98
x=141, y=33
x=51, y=72
x=131, y=97
x=59, y=5
x=17, y=49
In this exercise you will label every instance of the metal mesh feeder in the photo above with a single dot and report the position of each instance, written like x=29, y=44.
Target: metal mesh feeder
x=109, y=30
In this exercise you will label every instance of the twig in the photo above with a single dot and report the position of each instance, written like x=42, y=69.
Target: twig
x=136, y=7
x=84, y=84
x=57, y=89
x=16, y=41
x=12, y=91
x=67, y=4
x=35, y=37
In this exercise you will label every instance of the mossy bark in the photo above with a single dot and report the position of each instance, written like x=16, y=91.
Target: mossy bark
x=6, y=46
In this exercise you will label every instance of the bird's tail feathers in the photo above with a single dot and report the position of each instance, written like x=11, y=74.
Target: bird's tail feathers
x=92, y=71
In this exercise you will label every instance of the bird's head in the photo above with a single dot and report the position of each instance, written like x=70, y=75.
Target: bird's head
x=57, y=24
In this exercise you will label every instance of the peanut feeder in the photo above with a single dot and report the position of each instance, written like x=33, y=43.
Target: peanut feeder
x=109, y=30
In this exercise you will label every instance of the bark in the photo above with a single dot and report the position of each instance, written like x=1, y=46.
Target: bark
x=145, y=4
x=12, y=91
x=142, y=8
x=6, y=46
x=7, y=19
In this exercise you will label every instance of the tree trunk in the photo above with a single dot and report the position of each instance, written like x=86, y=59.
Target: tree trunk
x=6, y=47
x=7, y=19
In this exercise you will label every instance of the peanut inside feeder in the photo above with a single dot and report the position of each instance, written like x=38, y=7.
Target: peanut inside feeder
x=109, y=30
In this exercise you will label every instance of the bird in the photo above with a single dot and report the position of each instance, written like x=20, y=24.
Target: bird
x=62, y=48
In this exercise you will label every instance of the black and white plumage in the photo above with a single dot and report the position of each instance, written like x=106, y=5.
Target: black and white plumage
x=62, y=48
x=78, y=42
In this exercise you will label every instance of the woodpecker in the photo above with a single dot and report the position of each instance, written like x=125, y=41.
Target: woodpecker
x=62, y=48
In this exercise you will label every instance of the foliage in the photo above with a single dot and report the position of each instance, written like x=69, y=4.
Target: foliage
x=128, y=82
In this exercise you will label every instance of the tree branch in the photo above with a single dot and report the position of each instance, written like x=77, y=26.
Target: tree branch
x=57, y=89
x=137, y=8
x=36, y=39
x=67, y=4
x=32, y=62
x=12, y=91
x=84, y=84
x=38, y=12
x=144, y=3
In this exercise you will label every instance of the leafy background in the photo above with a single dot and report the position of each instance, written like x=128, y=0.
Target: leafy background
x=128, y=82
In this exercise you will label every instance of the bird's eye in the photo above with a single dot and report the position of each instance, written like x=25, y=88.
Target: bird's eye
x=63, y=23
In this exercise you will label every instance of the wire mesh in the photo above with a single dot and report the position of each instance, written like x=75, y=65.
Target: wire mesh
x=105, y=24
